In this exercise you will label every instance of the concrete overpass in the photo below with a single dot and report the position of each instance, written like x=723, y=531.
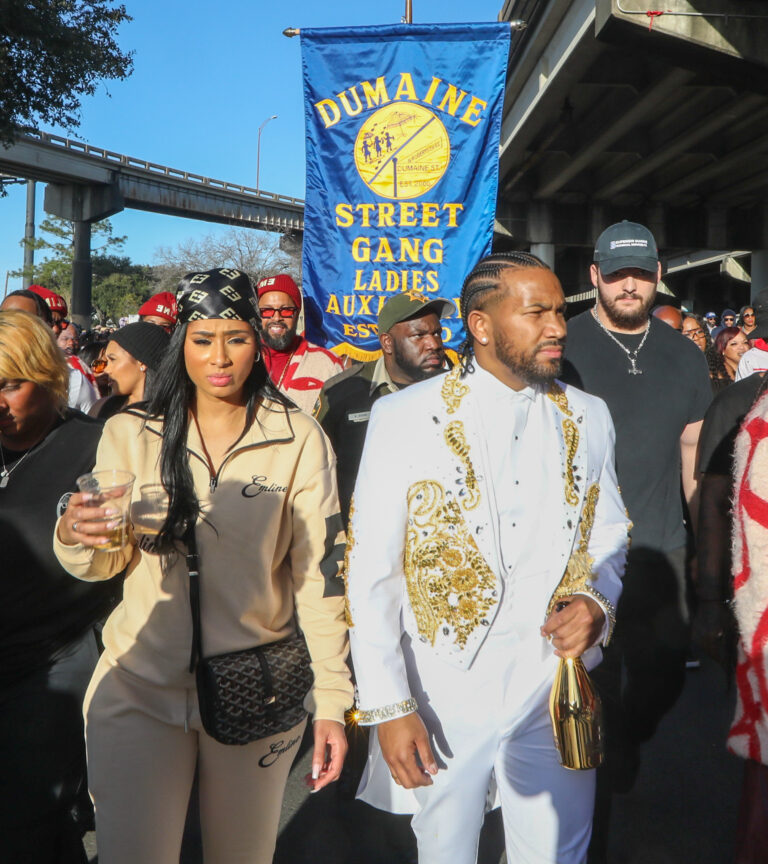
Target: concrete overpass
x=86, y=184
x=617, y=110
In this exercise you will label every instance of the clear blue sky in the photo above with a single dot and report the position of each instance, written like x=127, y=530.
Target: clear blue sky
x=206, y=75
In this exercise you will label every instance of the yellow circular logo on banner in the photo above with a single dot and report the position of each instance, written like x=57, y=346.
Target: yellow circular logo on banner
x=402, y=151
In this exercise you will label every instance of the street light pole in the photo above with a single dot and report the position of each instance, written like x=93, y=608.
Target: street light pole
x=258, y=148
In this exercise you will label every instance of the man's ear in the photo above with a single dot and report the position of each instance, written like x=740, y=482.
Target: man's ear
x=593, y=274
x=385, y=340
x=478, y=323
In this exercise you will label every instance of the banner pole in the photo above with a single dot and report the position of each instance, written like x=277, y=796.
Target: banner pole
x=409, y=11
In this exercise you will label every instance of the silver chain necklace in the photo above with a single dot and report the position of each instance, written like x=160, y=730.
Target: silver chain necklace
x=631, y=355
x=6, y=473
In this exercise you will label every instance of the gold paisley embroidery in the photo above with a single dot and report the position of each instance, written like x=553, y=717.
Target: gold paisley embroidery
x=453, y=389
x=557, y=395
x=571, y=435
x=457, y=441
x=578, y=574
x=450, y=585
x=345, y=566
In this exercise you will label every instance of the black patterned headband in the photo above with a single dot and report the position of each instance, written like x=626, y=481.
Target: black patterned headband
x=219, y=293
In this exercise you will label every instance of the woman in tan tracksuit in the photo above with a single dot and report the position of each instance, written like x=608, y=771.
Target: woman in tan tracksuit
x=256, y=478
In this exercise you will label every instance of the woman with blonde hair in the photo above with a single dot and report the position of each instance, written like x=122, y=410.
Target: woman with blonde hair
x=246, y=550
x=48, y=649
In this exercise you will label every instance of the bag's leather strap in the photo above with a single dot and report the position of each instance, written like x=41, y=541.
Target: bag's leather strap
x=193, y=565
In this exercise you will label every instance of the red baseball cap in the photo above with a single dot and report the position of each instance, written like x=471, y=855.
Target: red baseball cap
x=55, y=301
x=163, y=305
x=282, y=282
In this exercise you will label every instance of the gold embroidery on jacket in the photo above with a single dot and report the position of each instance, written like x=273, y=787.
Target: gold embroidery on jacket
x=578, y=573
x=450, y=585
x=557, y=395
x=453, y=389
x=345, y=565
x=457, y=441
x=571, y=435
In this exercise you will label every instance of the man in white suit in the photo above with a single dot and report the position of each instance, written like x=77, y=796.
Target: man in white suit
x=484, y=498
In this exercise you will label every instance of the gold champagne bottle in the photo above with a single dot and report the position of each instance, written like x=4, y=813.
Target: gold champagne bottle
x=577, y=716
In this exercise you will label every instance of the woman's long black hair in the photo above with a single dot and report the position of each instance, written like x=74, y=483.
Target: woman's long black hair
x=170, y=400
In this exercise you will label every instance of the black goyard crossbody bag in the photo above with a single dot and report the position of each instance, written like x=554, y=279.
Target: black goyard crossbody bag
x=251, y=694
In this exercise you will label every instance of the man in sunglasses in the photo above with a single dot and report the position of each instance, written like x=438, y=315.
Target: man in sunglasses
x=727, y=319
x=296, y=366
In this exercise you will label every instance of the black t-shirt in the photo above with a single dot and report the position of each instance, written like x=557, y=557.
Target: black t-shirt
x=42, y=607
x=650, y=412
x=721, y=425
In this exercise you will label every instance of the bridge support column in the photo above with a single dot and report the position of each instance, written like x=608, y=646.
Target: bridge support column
x=80, y=312
x=540, y=231
x=759, y=272
x=29, y=235
x=82, y=205
x=545, y=251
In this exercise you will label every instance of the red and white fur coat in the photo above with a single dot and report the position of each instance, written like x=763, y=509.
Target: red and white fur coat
x=748, y=737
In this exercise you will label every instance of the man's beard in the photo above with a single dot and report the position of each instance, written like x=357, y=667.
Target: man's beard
x=281, y=342
x=627, y=319
x=525, y=366
x=411, y=370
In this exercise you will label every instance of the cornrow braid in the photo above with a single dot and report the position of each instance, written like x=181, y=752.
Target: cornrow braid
x=484, y=278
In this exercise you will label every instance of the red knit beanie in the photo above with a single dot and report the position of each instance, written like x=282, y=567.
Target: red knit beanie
x=163, y=305
x=56, y=303
x=281, y=282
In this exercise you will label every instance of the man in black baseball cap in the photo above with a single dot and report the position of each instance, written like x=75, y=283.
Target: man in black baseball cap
x=410, y=335
x=657, y=388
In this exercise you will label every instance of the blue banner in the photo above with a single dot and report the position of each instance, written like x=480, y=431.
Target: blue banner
x=403, y=128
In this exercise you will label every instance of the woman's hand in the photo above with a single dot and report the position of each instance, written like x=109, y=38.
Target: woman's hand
x=86, y=524
x=328, y=756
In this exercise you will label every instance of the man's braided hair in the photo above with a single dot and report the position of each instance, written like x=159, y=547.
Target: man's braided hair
x=484, y=278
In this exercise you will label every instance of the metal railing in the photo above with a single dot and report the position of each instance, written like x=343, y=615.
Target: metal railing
x=154, y=169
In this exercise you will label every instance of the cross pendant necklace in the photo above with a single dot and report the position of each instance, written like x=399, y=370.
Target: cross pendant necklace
x=631, y=355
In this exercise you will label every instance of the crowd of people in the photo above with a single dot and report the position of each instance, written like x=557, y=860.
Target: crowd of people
x=427, y=531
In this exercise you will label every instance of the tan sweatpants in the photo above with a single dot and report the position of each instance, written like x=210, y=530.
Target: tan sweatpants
x=143, y=742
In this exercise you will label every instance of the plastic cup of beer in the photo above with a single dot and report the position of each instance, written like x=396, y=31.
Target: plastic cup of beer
x=111, y=489
x=149, y=513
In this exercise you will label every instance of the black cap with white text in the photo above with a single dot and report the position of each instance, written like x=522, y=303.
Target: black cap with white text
x=626, y=244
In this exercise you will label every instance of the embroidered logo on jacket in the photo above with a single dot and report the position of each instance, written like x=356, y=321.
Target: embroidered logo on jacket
x=261, y=484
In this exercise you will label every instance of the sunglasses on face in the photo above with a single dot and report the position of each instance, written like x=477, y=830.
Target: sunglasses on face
x=98, y=366
x=693, y=334
x=728, y=319
x=283, y=311
x=749, y=314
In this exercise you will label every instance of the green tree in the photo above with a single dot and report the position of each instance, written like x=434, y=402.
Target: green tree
x=52, y=53
x=56, y=240
x=119, y=294
x=119, y=287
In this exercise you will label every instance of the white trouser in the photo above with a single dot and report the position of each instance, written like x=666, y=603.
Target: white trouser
x=490, y=722
x=547, y=810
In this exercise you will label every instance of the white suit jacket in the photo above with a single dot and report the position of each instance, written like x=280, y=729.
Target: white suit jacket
x=422, y=554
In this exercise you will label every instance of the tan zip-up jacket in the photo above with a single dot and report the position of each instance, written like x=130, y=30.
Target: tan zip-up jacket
x=269, y=534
